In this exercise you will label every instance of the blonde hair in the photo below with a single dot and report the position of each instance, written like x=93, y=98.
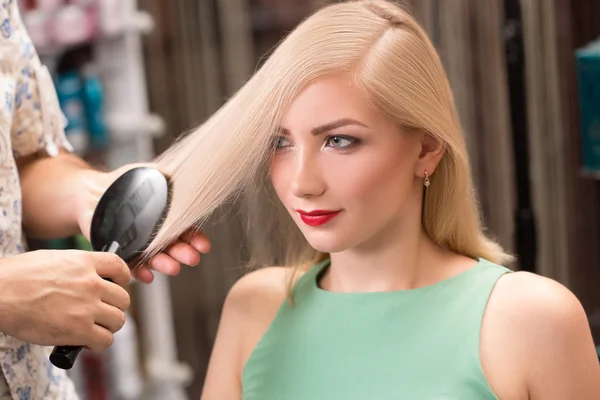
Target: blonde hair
x=393, y=61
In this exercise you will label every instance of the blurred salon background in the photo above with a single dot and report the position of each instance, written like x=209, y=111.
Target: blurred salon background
x=133, y=75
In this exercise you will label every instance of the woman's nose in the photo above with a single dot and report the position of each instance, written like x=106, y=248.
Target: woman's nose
x=307, y=180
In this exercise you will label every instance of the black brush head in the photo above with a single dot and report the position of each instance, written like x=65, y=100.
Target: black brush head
x=130, y=212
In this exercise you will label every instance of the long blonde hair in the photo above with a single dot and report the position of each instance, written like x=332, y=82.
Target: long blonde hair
x=393, y=61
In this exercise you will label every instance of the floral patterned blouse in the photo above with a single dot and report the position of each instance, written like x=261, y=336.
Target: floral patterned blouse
x=30, y=121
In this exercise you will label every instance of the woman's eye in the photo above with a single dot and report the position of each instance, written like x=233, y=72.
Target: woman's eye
x=281, y=142
x=341, y=142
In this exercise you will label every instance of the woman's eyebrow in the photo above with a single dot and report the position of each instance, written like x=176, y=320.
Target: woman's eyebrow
x=326, y=127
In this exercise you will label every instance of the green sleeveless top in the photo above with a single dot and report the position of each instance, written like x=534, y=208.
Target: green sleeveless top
x=419, y=344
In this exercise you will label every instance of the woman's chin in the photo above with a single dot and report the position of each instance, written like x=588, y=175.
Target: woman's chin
x=326, y=243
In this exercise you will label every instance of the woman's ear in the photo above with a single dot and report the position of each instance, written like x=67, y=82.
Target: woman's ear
x=432, y=151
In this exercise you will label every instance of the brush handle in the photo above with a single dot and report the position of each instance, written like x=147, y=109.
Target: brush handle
x=64, y=357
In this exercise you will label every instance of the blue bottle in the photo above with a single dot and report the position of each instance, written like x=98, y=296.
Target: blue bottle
x=68, y=90
x=93, y=101
x=588, y=70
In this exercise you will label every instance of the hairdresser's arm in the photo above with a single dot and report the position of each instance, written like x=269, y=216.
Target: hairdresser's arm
x=51, y=190
x=59, y=197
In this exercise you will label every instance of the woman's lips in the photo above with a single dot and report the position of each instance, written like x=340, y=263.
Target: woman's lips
x=317, y=217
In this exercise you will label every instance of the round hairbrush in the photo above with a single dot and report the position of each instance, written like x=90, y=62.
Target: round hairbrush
x=124, y=222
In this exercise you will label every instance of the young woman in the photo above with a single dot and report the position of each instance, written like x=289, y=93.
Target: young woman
x=396, y=293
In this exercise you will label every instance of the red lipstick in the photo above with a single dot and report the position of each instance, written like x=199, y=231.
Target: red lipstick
x=317, y=217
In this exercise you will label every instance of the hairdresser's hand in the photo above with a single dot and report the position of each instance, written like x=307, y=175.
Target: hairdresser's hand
x=58, y=297
x=186, y=250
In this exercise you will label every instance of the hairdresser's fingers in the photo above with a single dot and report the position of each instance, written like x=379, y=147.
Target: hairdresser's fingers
x=110, y=317
x=99, y=339
x=165, y=264
x=143, y=274
x=184, y=253
x=198, y=240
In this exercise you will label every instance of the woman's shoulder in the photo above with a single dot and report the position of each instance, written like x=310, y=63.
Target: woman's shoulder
x=249, y=309
x=263, y=287
x=533, y=299
x=253, y=303
x=535, y=331
x=538, y=309
x=256, y=297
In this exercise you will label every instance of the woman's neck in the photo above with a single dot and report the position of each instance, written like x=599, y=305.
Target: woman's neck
x=397, y=259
